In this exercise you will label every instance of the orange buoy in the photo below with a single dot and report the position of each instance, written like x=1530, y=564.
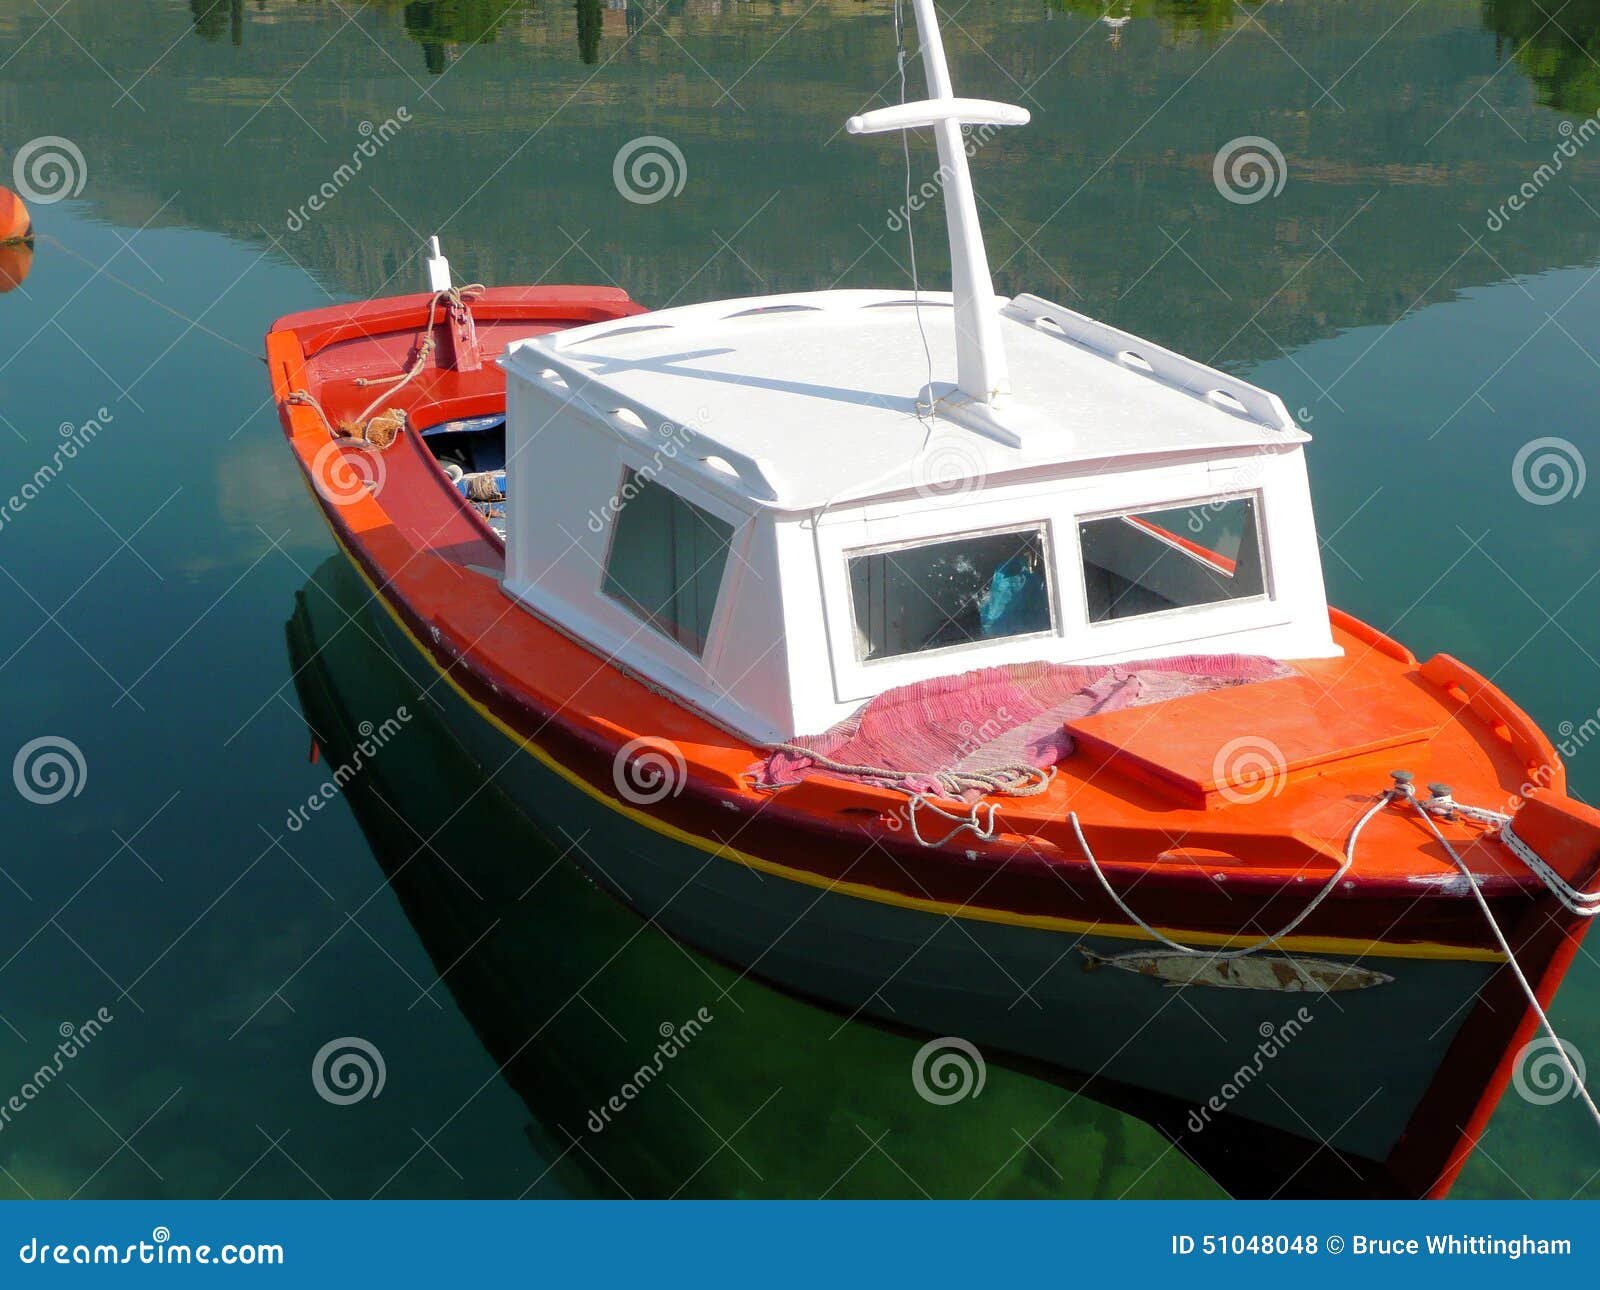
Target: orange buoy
x=16, y=259
x=15, y=222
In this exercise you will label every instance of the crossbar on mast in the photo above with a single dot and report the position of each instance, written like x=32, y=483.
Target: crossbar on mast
x=981, y=373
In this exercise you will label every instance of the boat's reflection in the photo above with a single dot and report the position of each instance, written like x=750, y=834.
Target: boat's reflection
x=752, y=1093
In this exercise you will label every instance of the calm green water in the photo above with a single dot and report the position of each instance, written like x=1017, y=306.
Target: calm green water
x=147, y=584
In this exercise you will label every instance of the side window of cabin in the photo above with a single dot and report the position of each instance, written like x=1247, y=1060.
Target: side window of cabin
x=951, y=592
x=666, y=560
x=1152, y=562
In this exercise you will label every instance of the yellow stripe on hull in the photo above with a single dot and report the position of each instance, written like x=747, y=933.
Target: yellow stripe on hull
x=1337, y=945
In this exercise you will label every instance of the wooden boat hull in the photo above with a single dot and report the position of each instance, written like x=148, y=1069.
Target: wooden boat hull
x=1377, y=1091
x=1282, y=1060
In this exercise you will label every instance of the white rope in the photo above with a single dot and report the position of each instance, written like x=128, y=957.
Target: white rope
x=983, y=830
x=1585, y=904
x=924, y=412
x=1327, y=890
x=1511, y=959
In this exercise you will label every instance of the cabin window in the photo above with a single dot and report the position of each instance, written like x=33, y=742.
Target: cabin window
x=666, y=560
x=1183, y=557
x=955, y=591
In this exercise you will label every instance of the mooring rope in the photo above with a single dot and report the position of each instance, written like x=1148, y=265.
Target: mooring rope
x=1586, y=904
x=1179, y=947
x=1406, y=792
x=382, y=430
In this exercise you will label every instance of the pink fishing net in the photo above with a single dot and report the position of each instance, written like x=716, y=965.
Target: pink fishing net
x=999, y=717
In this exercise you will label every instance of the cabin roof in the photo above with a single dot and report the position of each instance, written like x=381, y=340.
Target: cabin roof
x=797, y=401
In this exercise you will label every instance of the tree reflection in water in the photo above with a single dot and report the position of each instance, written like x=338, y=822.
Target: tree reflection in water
x=1555, y=44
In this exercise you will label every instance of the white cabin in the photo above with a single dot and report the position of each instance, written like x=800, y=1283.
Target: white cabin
x=740, y=502
x=777, y=508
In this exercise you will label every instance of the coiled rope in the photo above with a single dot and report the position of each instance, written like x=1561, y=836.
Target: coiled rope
x=1017, y=779
x=383, y=429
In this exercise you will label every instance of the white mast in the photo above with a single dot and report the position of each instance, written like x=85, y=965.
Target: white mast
x=980, y=357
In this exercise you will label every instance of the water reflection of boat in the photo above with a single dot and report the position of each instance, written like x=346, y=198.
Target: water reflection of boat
x=516, y=935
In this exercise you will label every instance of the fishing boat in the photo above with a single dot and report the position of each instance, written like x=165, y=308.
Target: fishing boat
x=964, y=663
